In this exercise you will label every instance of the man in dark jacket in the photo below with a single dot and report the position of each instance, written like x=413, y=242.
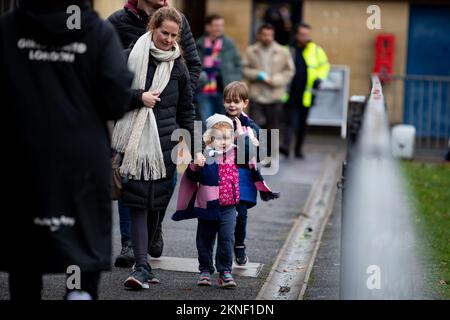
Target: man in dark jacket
x=311, y=68
x=131, y=23
x=59, y=85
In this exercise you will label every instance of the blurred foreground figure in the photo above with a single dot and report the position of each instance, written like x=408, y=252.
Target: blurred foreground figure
x=63, y=75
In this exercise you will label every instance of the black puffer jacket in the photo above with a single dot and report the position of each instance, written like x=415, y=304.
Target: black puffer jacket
x=175, y=110
x=131, y=23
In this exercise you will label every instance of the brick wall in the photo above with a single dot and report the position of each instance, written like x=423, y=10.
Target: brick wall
x=340, y=28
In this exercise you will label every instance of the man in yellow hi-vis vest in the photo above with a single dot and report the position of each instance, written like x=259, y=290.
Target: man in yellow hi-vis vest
x=312, y=67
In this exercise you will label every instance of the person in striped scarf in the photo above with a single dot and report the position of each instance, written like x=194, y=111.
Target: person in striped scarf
x=221, y=65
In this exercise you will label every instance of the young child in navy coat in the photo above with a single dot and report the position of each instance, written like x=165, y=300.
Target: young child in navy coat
x=209, y=191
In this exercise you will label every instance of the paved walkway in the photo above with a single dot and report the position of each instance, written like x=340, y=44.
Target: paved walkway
x=268, y=227
x=324, y=280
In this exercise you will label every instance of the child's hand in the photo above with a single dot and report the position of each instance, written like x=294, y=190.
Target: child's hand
x=239, y=128
x=252, y=137
x=199, y=161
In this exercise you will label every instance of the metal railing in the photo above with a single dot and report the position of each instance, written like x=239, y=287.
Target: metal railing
x=422, y=101
x=377, y=259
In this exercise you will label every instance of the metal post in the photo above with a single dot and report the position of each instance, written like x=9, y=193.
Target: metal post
x=430, y=111
x=411, y=102
x=438, y=115
x=447, y=112
x=419, y=125
x=393, y=115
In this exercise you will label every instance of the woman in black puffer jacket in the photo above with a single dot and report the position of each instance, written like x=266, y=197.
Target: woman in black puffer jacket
x=149, y=192
x=131, y=23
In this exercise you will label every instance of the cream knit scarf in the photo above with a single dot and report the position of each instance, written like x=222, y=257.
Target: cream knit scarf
x=136, y=134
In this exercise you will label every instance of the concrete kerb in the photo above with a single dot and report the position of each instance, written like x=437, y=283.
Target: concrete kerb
x=327, y=214
x=290, y=272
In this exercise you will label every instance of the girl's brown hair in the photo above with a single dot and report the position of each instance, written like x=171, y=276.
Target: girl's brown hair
x=163, y=14
x=236, y=90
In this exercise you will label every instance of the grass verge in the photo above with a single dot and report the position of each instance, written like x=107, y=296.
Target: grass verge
x=430, y=184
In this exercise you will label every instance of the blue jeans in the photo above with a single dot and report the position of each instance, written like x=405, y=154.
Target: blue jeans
x=207, y=230
x=209, y=104
x=124, y=221
x=240, y=232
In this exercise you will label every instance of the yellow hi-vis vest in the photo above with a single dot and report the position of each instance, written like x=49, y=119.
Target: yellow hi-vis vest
x=317, y=66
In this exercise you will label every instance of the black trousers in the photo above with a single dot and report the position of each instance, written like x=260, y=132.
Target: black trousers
x=144, y=224
x=27, y=284
x=267, y=116
x=295, y=119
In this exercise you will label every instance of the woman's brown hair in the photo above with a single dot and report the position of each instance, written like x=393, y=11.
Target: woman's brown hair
x=163, y=14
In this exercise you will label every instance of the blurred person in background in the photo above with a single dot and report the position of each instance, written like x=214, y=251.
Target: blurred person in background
x=312, y=67
x=269, y=68
x=131, y=23
x=59, y=86
x=221, y=66
x=280, y=18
